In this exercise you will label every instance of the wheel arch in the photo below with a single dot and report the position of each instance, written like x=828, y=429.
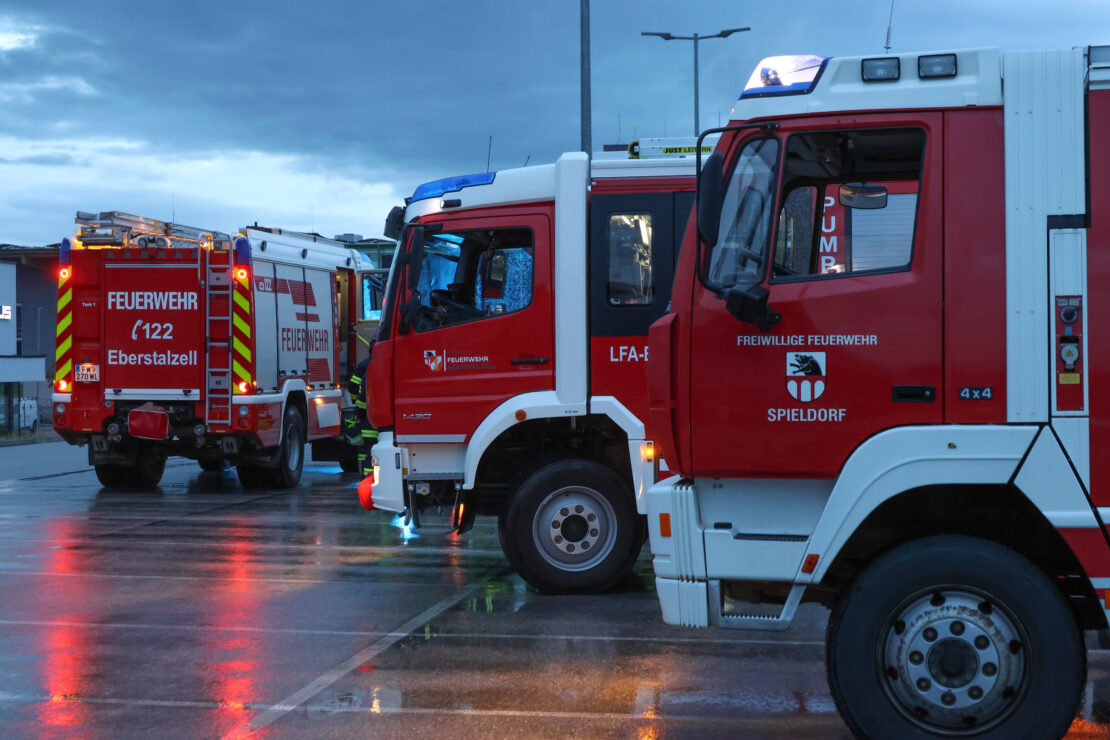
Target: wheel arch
x=526, y=446
x=999, y=513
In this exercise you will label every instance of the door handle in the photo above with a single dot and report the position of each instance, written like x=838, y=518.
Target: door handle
x=530, y=361
x=914, y=393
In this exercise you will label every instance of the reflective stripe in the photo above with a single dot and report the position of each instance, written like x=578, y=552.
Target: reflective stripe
x=243, y=303
x=63, y=371
x=242, y=348
x=64, y=347
x=360, y=404
x=241, y=325
x=64, y=323
x=243, y=374
x=63, y=300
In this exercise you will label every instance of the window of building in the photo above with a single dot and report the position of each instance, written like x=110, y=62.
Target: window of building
x=631, y=277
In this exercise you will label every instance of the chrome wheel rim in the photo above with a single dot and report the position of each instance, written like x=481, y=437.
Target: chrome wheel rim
x=574, y=528
x=953, y=661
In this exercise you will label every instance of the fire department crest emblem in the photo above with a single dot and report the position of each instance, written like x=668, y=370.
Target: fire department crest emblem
x=434, y=360
x=805, y=375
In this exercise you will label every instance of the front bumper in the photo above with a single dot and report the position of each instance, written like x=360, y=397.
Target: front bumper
x=390, y=465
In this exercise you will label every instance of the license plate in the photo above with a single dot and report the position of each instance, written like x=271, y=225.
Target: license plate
x=87, y=372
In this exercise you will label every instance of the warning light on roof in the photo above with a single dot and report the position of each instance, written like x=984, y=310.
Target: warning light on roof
x=784, y=75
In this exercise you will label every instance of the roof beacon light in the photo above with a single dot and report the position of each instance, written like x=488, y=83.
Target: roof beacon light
x=936, y=65
x=436, y=188
x=881, y=69
x=242, y=251
x=63, y=251
x=784, y=75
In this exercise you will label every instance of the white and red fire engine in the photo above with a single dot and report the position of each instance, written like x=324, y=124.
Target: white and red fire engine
x=509, y=373
x=181, y=341
x=879, y=382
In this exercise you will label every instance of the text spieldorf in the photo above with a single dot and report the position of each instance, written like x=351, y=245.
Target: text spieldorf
x=305, y=340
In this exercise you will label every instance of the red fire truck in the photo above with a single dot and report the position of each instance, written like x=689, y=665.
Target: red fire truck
x=181, y=341
x=878, y=382
x=509, y=378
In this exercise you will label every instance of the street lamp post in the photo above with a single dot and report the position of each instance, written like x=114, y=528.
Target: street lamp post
x=695, y=38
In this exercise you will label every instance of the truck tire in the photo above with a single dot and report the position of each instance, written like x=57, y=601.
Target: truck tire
x=113, y=476
x=571, y=527
x=955, y=636
x=150, y=464
x=290, y=460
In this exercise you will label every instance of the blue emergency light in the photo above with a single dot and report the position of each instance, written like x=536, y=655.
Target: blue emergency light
x=242, y=251
x=436, y=188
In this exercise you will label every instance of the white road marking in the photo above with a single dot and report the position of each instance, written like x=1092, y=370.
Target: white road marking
x=438, y=635
x=314, y=687
x=819, y=717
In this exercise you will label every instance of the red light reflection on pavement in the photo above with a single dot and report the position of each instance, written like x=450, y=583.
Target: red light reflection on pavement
x=65, y=649
x=1082, y=728
x=235, y=656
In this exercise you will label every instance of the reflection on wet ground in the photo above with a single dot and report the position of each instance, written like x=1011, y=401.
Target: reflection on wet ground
x=204, y=610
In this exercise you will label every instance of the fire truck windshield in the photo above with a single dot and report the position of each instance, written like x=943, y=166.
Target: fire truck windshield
x=745, y=217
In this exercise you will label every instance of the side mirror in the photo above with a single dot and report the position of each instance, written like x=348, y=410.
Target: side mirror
x=408, y=310
x=394, y=223
x=862, y=195
x=749, y=304
x=711, y=198
x=416, y=257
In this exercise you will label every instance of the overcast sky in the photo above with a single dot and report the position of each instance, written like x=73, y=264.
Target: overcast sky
x=322, y=115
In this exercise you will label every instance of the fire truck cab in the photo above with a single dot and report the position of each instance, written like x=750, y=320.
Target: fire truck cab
x=174, y=340
x=879, y=382
x=508, y=376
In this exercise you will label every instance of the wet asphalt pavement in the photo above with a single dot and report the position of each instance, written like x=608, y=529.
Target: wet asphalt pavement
x=203, y=610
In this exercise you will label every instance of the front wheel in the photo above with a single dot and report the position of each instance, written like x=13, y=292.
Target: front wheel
x=955, y=637
x=571, y=527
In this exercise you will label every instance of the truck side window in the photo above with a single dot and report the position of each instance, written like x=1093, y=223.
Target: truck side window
x=858, y=191
x=472, y=275
x=738, y=258
x=503, y=282
x=631, y=276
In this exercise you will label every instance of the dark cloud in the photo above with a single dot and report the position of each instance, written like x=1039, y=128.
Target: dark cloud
x=406, y=92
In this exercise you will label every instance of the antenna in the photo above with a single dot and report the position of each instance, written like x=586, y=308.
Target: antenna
x=489, y=151
x=526, y=160
x=889, y=26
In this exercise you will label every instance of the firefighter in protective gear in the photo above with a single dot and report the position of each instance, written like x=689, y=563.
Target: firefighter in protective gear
x=359, y=433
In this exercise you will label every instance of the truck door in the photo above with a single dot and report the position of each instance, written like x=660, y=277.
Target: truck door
x=480, y=325
x=632, y=247
x=842, y=228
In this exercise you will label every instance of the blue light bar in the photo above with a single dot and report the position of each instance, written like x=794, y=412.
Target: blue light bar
x=242, y=251
x=64, y=250
x=436, y=188
x=785, y=75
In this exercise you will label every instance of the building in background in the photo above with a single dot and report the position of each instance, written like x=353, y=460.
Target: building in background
x=28, y=308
